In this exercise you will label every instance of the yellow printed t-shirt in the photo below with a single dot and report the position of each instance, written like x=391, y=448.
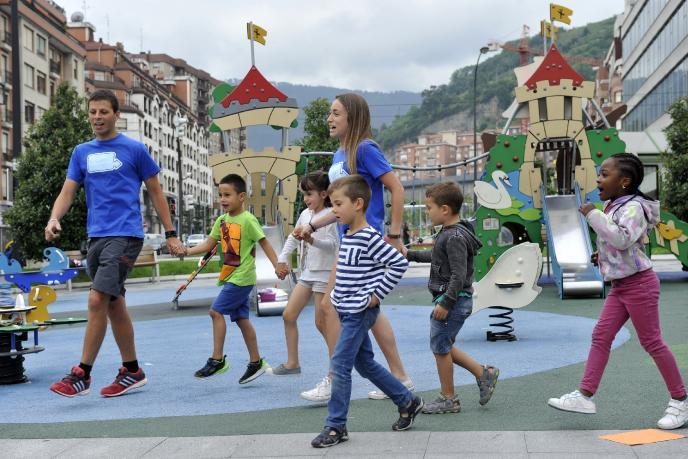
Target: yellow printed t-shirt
x=238, y=236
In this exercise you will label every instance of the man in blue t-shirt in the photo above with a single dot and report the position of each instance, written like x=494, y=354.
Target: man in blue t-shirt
x=111, y=168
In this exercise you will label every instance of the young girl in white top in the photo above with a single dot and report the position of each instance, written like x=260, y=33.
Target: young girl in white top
x=317, y=254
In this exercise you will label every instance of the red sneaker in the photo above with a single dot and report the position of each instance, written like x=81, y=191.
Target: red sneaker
x=124, y=382
x=73, y=384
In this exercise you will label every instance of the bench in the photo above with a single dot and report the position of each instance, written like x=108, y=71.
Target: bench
x=147, y=257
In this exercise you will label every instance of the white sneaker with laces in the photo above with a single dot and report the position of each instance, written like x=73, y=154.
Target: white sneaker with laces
x=675, y=416
x=321, y=392
x=574, y=402
x=379, y=395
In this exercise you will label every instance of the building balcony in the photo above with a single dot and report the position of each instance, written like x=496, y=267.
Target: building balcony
x=56, y=68
x=7, y=118
x=6, y=40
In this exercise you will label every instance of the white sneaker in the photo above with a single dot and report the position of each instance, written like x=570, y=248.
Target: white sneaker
x=321, y=392
x=675, y=416
x=575, y=402
x=379, y=395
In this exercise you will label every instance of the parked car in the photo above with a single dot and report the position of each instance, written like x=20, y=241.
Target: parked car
x=156, y=242
x=195, y=239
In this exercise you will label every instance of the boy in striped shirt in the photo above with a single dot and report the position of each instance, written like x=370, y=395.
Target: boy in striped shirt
x=367, y=270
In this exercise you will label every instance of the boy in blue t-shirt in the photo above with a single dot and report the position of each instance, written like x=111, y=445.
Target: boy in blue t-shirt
x=111, y=168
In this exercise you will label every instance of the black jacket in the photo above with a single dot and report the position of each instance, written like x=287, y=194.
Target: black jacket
x=451, y=261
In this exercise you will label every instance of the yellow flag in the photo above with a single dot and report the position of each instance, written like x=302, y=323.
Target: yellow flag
x=560, y=13
x=548, y=30
x=259, y=33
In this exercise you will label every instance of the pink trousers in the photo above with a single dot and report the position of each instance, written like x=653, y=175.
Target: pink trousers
x=637, y=297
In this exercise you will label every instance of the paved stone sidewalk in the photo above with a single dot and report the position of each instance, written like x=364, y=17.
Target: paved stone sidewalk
x=413, y=444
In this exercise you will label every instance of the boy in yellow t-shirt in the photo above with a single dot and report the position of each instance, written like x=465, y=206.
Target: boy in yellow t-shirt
x=238, y=231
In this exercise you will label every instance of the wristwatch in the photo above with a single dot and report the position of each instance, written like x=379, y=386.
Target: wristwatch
x=169, y=234
x=394, y=236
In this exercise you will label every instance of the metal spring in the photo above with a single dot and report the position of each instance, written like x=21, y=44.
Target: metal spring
x=506, y=332
x=6, y=297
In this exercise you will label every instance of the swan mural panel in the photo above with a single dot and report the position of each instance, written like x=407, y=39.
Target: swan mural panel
x=494, y=197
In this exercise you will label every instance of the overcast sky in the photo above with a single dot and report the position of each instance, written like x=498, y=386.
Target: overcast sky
x=379, y=45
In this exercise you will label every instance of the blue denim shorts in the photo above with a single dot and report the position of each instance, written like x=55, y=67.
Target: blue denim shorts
x=233, y=301
x=443, y=332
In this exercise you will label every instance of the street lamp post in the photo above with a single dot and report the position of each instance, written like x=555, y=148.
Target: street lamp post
x=483, y=50
x=179, y=131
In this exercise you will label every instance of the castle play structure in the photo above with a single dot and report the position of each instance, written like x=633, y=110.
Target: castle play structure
x=527, y=200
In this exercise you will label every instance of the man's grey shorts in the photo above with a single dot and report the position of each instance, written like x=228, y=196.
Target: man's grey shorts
x=109, y=262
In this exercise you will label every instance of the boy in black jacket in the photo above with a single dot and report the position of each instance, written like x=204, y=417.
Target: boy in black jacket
x=450, y=283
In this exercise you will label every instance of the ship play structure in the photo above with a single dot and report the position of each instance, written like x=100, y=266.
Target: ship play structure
x=524, y=199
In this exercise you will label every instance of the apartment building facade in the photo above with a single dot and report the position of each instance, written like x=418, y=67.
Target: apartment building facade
x=439, y=149
x=46, y=55
x=194, y=87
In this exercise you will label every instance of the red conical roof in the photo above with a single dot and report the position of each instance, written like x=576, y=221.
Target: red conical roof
x=554, y=68
x=253, y=86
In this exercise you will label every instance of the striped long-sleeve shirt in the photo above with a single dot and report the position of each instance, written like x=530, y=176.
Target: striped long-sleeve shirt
x=367, y=265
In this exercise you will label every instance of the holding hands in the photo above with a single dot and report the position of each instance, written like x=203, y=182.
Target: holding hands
x=282, y=270
x=176, y=247
x=303, y=232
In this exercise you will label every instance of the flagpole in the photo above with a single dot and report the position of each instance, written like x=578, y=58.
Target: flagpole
x=253, y=56
x=544, y=37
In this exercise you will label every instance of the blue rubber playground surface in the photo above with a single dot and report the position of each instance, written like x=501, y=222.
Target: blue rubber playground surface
x=172, y=349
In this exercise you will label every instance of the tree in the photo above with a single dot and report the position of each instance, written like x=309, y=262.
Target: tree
x=675, y=189
x=41, y=172
x=317, y=136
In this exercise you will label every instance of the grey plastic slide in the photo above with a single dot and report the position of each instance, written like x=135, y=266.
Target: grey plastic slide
x=570, y=241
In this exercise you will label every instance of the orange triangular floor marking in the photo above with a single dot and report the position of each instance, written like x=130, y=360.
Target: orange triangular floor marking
x=642, y=437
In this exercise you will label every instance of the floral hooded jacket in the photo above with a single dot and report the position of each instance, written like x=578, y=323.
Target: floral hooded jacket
x=622, y=231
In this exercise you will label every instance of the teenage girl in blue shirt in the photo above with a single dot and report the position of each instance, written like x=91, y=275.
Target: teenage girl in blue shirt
x=349, y=122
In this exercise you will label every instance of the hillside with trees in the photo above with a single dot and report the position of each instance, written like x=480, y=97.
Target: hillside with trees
x=496, y=82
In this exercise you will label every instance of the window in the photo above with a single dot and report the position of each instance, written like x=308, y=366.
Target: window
x=29, y=113
x=29, y=76
x=40, y=45
x=568, y=107
x=542, y=105
x=7, y=184
x=28, y=38
x=40, y=111
x=5, y=143
x=76, y=69
x=121, y=124
x=40, y=82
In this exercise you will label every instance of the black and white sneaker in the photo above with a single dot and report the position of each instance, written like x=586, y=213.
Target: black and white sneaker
x=330, y=436
x=408, y=414
x=253, y=370
x=213, y=367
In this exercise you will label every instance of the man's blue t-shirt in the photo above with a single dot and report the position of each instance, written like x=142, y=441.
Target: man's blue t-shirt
x=111, y=172
x=371, y=165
